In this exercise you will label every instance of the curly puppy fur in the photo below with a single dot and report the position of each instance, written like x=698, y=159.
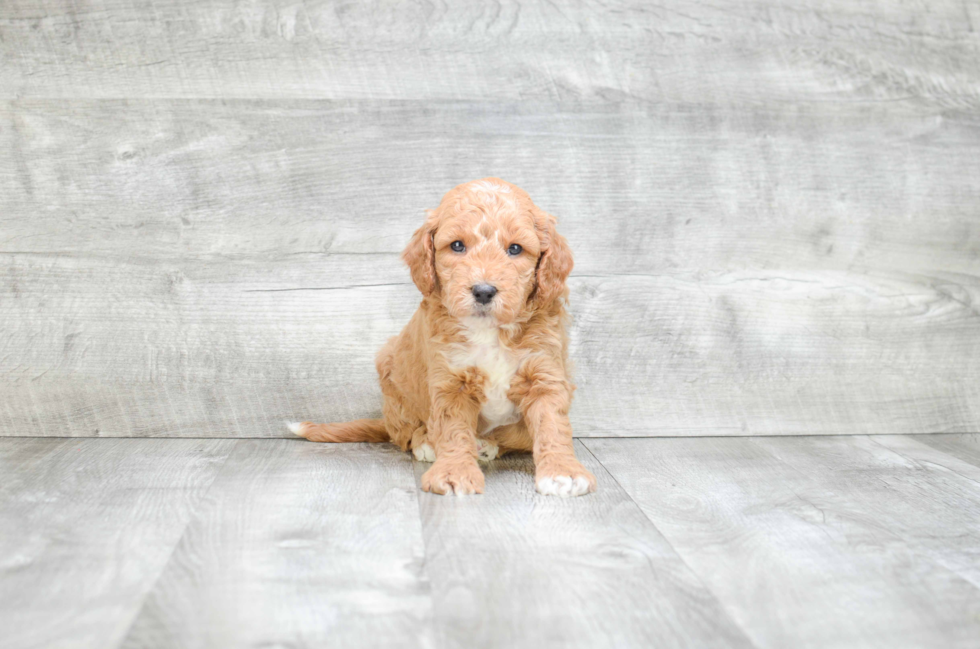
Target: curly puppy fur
x=468, y=378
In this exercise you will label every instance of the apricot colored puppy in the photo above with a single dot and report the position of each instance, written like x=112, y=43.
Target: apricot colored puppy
x=482, y=367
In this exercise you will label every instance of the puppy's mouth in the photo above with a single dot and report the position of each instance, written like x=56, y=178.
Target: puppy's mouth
x=490, y=316
x=483, y=310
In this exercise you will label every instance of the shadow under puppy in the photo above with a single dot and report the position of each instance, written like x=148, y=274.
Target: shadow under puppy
x=482, y=367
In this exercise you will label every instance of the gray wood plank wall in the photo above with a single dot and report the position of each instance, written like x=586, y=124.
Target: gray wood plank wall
x=775, y=207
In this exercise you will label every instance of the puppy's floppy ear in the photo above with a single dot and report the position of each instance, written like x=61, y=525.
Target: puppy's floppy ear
x=555, y=261
x=420, y=255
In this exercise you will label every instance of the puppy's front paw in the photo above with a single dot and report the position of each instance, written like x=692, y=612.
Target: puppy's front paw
x=563, y=477
x=462, y=477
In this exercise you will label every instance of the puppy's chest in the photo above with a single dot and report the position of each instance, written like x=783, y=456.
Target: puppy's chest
x=499, y=364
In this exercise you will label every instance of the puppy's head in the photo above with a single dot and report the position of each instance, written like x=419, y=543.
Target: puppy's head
x=489, y=252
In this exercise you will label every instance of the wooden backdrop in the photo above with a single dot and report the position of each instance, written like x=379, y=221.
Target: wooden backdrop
x=774, y=206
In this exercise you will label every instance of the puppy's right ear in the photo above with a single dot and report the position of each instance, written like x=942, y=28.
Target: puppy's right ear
x=420, y=255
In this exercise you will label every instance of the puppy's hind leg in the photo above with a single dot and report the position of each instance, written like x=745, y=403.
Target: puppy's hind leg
x=486, y=450
x=421, y=448
x=508, y=439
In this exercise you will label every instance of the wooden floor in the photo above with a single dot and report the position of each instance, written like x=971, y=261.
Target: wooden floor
x=698, y=542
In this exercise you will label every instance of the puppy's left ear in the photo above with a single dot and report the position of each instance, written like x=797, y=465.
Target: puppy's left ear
x=420, y=255
x=555, y=261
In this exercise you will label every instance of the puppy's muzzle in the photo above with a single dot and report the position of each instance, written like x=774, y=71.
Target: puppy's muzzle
x=483, y=293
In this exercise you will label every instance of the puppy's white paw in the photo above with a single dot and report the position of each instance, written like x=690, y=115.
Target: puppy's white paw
x=424, y=453
x=564, y=486
x=295, y=427
x=486, y=450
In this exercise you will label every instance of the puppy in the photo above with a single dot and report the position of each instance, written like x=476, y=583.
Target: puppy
x=482, y=367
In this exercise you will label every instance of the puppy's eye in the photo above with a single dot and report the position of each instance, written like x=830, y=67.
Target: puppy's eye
x=457, y=246
x=514, y=249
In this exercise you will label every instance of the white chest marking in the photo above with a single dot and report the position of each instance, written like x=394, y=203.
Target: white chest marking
x=483, y=350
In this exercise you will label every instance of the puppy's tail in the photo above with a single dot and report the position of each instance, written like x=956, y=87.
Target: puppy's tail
x=359, y=430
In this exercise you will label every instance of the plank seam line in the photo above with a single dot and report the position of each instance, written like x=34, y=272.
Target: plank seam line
x=680, y=557
x=768, y=435
x=173, y=550
x=322, y=288
x=969, y=461
x=433, y=629
x=928, y=462
x=922, y=554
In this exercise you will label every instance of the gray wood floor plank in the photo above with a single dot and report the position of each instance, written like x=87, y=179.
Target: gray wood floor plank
x=926, y=497
x=805, y=541
x=964, y=446
x=253, y=263
x=86, y=526
x=760, y=51
x=300, y=545
x=511, y=568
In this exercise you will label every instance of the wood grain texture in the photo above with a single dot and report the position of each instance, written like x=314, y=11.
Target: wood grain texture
x=638, y=188
x=512, y=568
x=300, y=545
x=815, y=542
x=86, y=527
x=211, y=268
x=671, y=51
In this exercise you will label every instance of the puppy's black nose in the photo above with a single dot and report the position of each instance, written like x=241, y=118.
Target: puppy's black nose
x=484, y=293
